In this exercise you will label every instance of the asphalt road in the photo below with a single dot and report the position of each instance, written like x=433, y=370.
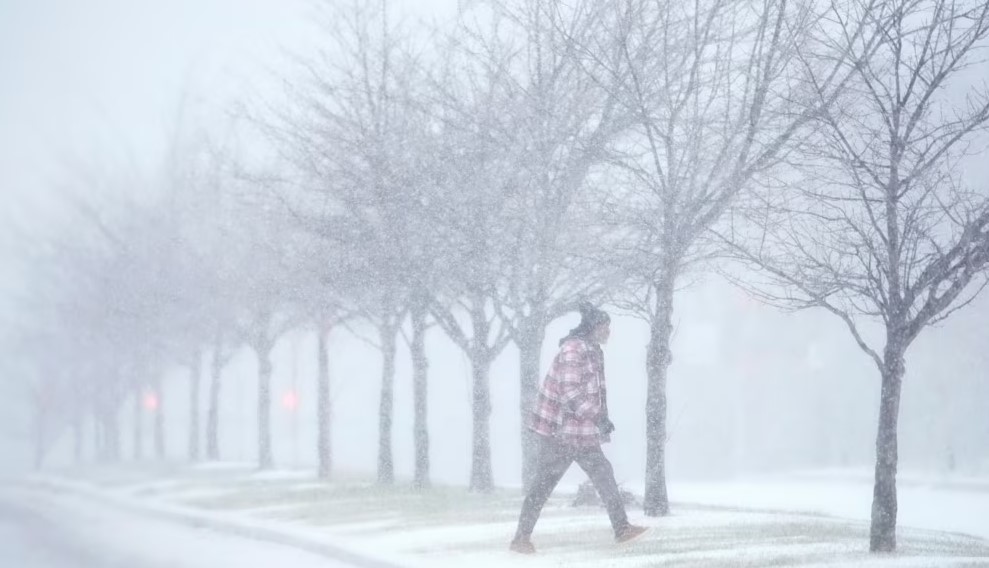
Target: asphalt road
x=42, y=530
x=30, y=539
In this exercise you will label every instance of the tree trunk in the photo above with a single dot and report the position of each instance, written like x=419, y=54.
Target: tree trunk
x=111, y=432
x=481, y=478
x=106, y=431
x=138, y=424
x=40, y=438
x=884, y=507
x=195, y=381
x=213, y=413
x=323, y=407
x=78, y=435
x=159, y=420
x=656, y=500
x=98, y=451
x=386, y=467
x=531, y=335
x=265, y=460
x=420, y=370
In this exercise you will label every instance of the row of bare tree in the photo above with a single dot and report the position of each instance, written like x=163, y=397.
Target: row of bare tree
x=483, y=176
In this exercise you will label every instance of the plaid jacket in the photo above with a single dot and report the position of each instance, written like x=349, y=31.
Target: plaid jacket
x=573, y=398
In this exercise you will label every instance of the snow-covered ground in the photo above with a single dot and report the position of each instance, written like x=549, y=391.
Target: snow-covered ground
x=779, y=521
x=920, y=506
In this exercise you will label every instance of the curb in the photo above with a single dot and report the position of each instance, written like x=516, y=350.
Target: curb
x=255, y=530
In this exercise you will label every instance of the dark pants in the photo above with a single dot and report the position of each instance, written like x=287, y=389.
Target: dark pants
x=554, y=461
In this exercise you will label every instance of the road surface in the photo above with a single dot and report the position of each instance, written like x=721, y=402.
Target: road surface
x=28, y=539
x=38, y=530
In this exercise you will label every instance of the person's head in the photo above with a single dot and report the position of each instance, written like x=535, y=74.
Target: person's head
x=595, y=325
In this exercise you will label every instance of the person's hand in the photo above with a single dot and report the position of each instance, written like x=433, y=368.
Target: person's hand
x=606, y=426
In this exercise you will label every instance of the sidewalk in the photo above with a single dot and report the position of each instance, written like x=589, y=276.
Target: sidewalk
x=357, y=522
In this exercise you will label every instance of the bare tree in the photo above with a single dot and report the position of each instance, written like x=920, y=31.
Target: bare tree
x=330, y=289
x=269, y=271
x=240, y=262
x=220, y=356
x=131, y=249
x=211, y=236
x=41, y=383
x=323, y=409
x=476, y=183
x=551, y=124
x=195, y=408
x=718, y=91
x=354, y=133
x=882, y=225
x=120, y=305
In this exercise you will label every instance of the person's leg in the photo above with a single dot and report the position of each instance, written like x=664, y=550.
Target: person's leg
x=554, y=461
x=593, y=461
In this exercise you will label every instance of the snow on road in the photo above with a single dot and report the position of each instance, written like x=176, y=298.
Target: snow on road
x=30, y=540
x=444, y=532
x=65, y=531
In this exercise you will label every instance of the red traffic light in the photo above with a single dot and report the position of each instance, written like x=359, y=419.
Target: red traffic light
x=290, y=400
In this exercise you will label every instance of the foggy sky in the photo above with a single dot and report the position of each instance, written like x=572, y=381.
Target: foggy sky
x=100, y=83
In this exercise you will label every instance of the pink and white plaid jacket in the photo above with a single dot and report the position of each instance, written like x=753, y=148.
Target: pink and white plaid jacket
x=573, y=396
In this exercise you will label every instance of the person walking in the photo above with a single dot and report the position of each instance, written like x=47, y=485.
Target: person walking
x=571, y=420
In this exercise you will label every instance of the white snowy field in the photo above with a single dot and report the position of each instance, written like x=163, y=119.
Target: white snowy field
x=920, y=506
x=781, y=521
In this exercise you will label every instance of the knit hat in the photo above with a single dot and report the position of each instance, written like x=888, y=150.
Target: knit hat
x=590, y=318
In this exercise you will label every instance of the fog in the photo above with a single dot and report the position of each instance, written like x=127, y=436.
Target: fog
x=101, y=84
x=103, y=99
x=806, y=399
